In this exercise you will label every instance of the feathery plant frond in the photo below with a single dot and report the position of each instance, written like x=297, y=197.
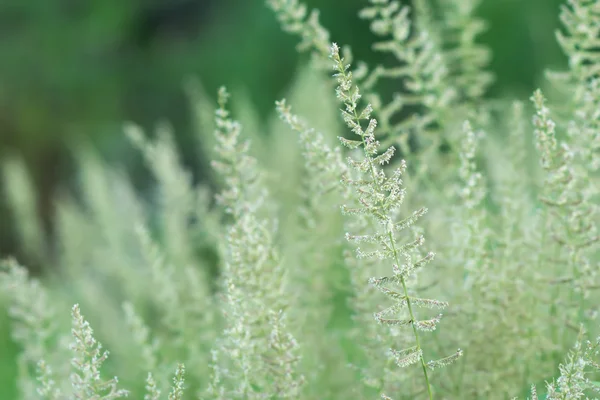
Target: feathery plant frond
x=295, y=19
x=473, y=222
x=178, y=384
x=493, y=276
x=48, y=389
x=534, y=395
x=466, y=59
x=325, y=164
x=581, y=83
x=471, y=235
x=473, y=191
x=570, y=210
x=179, y=202
x=574, y=382
x=35, y=326
x=572, y=189
x=176, y=196
x=283, y=358
x=584, y=133
x=290, y=316
x=419, y=64
x=245, y=191
x=316, y=247
x=30, y=306
x=184, y=313
x=380, y=197
x=152, y=391
x=255, y=282
x=87, y=361
x=579, y=41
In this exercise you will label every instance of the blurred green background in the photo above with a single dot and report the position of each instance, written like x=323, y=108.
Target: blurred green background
x=73, y=70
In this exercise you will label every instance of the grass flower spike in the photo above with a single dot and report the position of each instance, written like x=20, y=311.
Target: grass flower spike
x=380, y=196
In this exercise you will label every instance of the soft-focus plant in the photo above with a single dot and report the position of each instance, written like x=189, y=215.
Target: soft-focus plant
x=257, y=285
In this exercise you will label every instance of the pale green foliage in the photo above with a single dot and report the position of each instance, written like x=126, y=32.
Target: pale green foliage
x=265, y=290
x=152, y=391
x=571, y=210
x=534, y=395
x=244, y=192
x=177, y=192
x=421, y=67
x=35, y=326
x=574, y=381
x=380, y=198
x=47, y=389
x=257, y=351
x=106, y=251
x=580, y=82
x=87, y=360
x=319, y=227
x=485, y=270
x=471, y=225
x=178, y=382
x=30, y=309
x=466, y=59
x=579, y=40
x=295, y=18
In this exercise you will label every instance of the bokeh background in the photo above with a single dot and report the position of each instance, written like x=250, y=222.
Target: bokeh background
x=73, y=71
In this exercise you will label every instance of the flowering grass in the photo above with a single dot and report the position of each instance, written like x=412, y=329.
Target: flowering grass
x=430, y=244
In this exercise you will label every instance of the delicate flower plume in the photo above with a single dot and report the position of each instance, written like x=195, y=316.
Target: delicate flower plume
x=87, y=360
x=152, y=392
x=379, y=196
x=177, y=391
x=308, y=305
x=534, y=395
